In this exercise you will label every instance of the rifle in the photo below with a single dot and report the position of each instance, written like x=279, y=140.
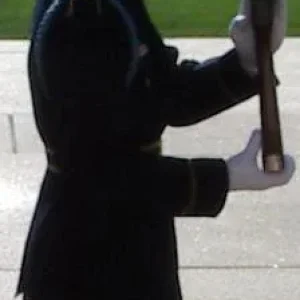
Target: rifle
x=262, y=14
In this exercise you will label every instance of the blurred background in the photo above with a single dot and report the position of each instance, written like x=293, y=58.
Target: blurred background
x=173, y=17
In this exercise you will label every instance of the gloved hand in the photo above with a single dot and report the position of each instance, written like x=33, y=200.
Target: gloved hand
x=241, y=32
x=244, y=173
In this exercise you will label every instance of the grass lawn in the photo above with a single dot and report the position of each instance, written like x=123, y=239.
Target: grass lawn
x=173, y=17
x=15, y=18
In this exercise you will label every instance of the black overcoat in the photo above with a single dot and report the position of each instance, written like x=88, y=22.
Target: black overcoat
x=104, y=87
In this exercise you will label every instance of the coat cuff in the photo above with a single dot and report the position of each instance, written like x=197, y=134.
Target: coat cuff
x=209, y=187
x=237, y=83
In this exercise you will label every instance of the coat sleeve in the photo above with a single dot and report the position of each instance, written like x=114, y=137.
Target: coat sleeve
x=178, y=186
x=196, y=91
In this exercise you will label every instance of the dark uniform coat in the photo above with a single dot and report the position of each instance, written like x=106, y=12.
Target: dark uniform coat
x=104, y=87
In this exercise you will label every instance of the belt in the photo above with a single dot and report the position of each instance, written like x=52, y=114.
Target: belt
x=56, y=165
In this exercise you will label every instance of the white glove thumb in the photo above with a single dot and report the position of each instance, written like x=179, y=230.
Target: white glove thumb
x=279, y=23
x=241, y=32
x=244, y=173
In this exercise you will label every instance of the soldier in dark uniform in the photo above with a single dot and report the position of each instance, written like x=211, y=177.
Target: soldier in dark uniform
x=104, y=87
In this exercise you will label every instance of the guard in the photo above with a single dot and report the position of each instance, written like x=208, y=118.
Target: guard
x=104, y=87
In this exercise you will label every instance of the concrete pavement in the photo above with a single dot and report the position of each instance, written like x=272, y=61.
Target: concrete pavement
x=251, y=251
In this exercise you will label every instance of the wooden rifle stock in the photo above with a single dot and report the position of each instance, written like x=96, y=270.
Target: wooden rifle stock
x=262, y=19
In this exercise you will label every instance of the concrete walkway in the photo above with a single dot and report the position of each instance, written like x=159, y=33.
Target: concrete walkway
x=251, y=251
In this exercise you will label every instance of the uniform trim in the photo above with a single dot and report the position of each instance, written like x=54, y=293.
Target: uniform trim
x=154, y=147
x=193, y=190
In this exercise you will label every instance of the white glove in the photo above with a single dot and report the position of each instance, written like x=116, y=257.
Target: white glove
x=241, y=32
x=244, y=173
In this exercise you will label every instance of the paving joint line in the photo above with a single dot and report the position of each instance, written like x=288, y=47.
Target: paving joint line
x=12, y=52
x=199, y=268
x=13, y=133
x=241, y=267
x=9, y=270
